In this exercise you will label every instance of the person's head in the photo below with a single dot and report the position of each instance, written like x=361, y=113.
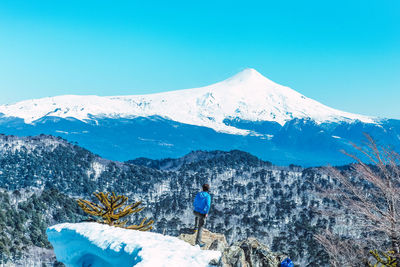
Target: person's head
x=206, y=187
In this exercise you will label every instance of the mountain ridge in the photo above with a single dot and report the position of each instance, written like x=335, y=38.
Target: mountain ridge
x=246, y=112
x=247, y=95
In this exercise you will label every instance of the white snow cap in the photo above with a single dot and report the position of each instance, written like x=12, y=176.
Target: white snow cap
x=248, y=95
x=94, y=244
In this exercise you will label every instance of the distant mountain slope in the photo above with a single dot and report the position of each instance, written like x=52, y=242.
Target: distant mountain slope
x=247, y=112
x=197, y=157
x=246, y=96
x=300, y=141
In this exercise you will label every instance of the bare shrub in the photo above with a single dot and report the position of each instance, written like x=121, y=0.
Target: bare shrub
x=366, y=201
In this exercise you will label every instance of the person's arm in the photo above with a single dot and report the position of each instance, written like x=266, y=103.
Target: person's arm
x=195, y=200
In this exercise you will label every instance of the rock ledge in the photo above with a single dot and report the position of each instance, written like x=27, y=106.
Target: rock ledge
x=246, y=253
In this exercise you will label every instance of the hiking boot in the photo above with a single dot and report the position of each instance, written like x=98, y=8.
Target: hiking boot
x=201, y=244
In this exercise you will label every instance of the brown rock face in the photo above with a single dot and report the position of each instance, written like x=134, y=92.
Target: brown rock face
x=213, y=241
x=246, y=253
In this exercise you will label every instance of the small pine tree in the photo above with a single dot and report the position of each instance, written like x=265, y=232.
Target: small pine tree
x=383, y=259
x=112, y=209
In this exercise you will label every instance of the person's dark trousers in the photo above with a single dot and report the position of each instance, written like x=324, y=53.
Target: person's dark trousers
x=200, y=220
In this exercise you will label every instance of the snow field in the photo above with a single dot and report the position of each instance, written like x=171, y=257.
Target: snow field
x=98, y=245
x=248, y=96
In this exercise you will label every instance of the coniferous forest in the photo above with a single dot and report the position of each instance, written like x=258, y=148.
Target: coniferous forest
x=42, y=177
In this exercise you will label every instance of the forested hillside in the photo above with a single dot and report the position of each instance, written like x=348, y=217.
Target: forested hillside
x=42, y=176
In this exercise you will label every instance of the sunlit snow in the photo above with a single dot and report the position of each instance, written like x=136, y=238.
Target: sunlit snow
x=98, y=245
x=248, y=95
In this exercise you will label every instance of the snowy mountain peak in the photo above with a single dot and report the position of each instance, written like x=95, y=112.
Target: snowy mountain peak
x=250, y=76
x=247, y=95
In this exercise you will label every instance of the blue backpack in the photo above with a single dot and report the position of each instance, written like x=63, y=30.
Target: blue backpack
x=287, y=263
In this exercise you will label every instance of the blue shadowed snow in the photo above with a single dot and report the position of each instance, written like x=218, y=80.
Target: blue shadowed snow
x=97, y=245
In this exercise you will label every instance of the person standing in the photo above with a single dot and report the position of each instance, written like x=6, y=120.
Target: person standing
x=201, y=207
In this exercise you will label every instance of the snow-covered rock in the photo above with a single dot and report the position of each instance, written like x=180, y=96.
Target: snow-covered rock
x=98, y=245
x=246, y=96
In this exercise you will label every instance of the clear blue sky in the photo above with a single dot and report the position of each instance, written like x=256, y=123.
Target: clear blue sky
x=343, y=53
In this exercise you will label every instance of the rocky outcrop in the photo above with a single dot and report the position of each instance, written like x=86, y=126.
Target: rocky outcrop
x=212, y=241
x=247, y=253
x=250, y=253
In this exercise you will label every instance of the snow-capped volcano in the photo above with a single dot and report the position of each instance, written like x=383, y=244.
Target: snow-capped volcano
x=247, y=96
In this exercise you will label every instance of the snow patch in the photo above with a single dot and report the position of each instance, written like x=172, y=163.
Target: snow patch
x=98, y=245
x=96, y=169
